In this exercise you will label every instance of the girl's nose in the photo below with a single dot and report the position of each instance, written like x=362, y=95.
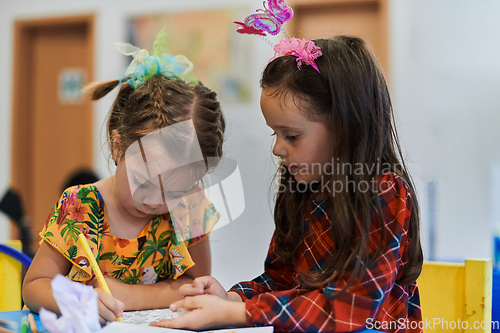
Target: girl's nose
x=278, y=149
x=152, y=207
x=152, y=200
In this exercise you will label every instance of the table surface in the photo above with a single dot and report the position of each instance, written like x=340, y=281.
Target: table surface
x=17, y=316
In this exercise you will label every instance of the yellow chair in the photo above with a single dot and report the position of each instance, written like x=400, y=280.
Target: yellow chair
x=456, y=297
x=10, y=279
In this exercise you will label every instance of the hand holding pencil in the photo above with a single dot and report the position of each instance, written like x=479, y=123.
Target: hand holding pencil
x=113, y=307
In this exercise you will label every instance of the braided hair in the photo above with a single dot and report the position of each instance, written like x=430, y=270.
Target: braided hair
x=160, y=102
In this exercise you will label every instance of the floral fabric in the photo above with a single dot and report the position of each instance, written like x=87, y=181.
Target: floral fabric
x=159, y=252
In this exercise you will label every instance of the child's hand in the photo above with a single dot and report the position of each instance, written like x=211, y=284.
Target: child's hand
x=109, y=307
x=206, y=311
x=203, y=285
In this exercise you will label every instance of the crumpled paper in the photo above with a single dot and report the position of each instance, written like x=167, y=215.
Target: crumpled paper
x=78, y=306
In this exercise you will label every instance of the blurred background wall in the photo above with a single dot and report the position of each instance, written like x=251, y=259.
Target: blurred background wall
x=443, y=70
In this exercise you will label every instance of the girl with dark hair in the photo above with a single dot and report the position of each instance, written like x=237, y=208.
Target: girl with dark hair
x=147, y=224
x=346, y=251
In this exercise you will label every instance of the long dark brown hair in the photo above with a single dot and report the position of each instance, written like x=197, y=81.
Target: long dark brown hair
x=351, y=98
x=160, y=102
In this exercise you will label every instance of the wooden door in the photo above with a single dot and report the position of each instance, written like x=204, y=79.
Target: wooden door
x=361, y=18
x=52, y=126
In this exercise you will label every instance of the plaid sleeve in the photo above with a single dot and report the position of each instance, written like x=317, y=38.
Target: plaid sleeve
x=312, y=309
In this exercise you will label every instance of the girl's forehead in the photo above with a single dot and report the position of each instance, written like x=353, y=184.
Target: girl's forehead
x=287, y=107
x=279, y=92
x=165, y=149
x=292, y=104
x=286, y=98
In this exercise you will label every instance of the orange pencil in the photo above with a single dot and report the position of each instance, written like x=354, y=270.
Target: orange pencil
x=95, y=267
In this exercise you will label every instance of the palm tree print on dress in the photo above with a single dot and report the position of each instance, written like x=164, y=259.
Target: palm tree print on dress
x=82, y=210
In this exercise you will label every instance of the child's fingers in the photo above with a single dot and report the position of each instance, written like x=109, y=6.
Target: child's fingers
x=121, y=307
x=162, y=323
x=210, y=286
x=190, y=290
x=205, y=311
x=186, y=321
x=105, y=313
x=179, y=304
x=203, y=285
x=188, y=303
x=174, y=307
x=102, y=321
x=169, y=323
x=111, y=307
x=201, y=282
x=116, y=306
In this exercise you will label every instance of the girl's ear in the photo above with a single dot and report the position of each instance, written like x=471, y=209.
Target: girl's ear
x=116, y=141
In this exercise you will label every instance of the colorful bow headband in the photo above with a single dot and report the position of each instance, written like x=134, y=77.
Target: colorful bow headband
x=271, y=20
x=145, y=66
x=303, y=49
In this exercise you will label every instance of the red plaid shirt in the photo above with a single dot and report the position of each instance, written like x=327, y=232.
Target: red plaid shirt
x=378, y=301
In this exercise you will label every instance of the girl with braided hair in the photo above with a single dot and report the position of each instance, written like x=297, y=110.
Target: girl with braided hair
x=147, y=224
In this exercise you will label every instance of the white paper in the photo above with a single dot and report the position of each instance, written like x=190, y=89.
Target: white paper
x=147, y=316
x=78, y=306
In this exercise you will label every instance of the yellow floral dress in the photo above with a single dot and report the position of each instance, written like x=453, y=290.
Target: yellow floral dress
x=160, y=251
